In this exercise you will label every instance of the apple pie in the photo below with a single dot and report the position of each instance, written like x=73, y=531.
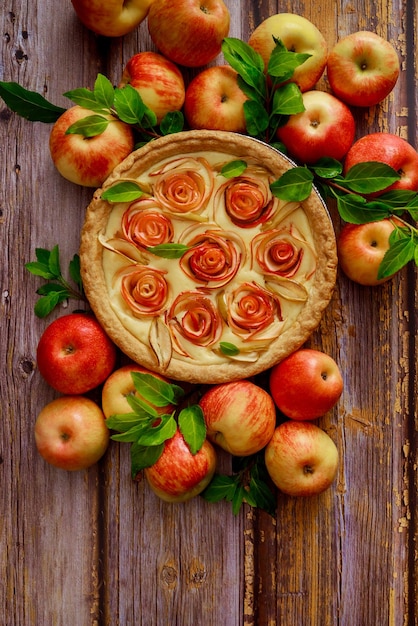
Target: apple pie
x=204, y=275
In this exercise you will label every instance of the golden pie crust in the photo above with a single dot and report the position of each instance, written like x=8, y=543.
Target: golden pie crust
x=254, y=279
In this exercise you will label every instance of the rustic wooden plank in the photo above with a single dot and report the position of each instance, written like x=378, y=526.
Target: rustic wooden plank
x=49, y=540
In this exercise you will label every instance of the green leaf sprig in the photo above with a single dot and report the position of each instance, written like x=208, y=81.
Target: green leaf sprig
x=57, y=289
x=271, y=99
x=356, y=203
x=147, y=430
x=248, y=483
x=106, y=102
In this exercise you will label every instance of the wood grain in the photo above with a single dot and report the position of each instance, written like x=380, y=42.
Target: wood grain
x=96, y=547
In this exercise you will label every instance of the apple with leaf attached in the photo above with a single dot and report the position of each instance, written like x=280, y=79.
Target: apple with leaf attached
x=298, y=35
x=84, y=157
x=158, y=81
x=179, y=475
x=362, y=248
x=326, y=128
x=214, y=100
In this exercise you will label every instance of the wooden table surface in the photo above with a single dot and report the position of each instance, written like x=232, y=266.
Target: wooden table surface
x=95, y=547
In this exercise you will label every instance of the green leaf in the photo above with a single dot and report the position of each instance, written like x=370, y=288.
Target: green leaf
x=104, y=92
x=46, y=304
x=89, y=126
x=259, y=491
x=287, y=100
x=85, y=98
x=403, y=198
x=294, y=185
x=369, y=177
x=229, y=349
x=282, y=63
x=144, y=456
x=141, y=408
x=158, y=392
x=169, y=250
x=238, y=498
x=129, y=105
x=192, y=426
x=220, y=488
x=172, y=122
x=356, y=210
x=54, y=262
x=29, y=104
x=127, y=191
x=256, y=118
x=39, y=269
x=399, y=254
x=234, y=168
x=327, y=167
x=156, y=435
x=247, y=62
x=122, y=422
x=45, y=290
x=132, y=435
x=74, y=270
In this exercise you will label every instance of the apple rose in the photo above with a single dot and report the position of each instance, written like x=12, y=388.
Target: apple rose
x=183, y=185
x=250, y=310
x=143, y=224
x=144, y=289
x=284, y=253
x=195, y=318
x=248, y=200
x=214, y=256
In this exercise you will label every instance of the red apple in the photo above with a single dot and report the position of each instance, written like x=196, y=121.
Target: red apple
x=362, y=69
x=298, y=34
x=158, y=81
x=390, y=149
x=88, y=161
x=74, y=354
x=325, y=129
x=178, y=475
x=112, y=18
x=361, y=248
x=240, y=417
x=214, y=101
x=70, y=433
x=119, y=385
x=306, y=384
x=189, y=32
x=301, y=459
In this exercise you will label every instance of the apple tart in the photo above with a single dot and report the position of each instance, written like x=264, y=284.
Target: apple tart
x=206, y=276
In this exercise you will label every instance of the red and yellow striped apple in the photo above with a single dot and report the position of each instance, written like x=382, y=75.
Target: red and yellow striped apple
x=189, y=32
x=306, y=384
x=362, y=69
x=214, y=101
x=298, y=34
x=325, y=129
x=70, y=433
x=240, y=416
x=301, y=458
x=179, y=475
x=158, y=81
